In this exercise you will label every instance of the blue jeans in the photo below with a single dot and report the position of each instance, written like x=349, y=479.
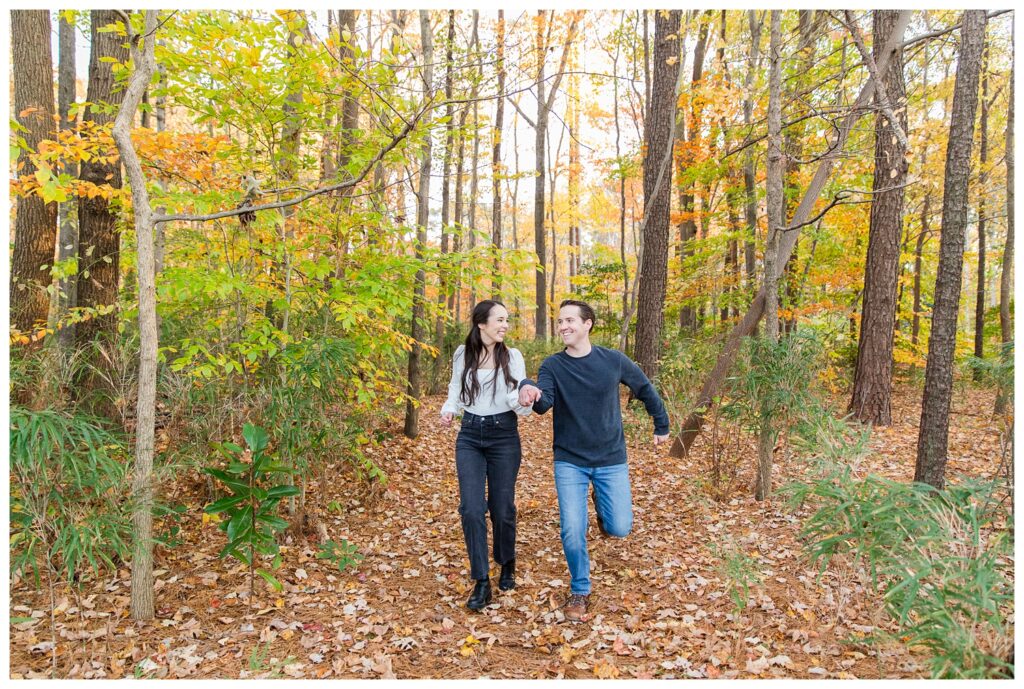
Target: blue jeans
x=488, y=452
x=614, y=504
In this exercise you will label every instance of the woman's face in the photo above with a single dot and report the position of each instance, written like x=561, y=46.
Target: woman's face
x=496, y=326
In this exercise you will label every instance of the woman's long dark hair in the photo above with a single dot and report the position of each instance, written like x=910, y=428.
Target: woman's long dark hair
x=474, y=351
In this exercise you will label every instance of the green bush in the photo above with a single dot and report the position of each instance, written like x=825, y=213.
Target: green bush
x=69, y=488
x=250, y=511
x=941, y=560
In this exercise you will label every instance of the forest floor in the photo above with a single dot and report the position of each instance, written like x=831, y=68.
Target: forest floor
x=661, y=605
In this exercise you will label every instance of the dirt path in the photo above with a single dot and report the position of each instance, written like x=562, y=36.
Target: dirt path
x=661, y=605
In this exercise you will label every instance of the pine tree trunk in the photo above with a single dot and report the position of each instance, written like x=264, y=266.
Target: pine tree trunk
x=412, y=411
x=99, y=242
x=35, y=225
x=659, y=135
x=933, y=437
x=872, y=382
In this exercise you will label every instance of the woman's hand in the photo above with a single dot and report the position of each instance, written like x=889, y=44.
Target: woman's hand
x=446, y=419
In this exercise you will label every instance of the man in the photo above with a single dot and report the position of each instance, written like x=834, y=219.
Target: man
x=582, y=384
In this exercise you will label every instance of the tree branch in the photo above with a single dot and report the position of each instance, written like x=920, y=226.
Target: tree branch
x=305, y=197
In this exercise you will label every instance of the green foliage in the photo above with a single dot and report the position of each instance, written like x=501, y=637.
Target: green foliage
x=738, y=570
x=68, y=502
x=250, y=510
x=770, y=387
x=342, y=554
x=997, y=372
x=942, y=561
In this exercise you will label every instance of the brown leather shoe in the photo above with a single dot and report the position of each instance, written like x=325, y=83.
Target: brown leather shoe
x=575, y=609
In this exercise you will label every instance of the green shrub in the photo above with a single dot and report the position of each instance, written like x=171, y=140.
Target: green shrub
x=250, y=511
x=940, y=559
x=68, y=502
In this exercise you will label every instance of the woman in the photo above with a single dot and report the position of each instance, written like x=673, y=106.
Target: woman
x=484, y=387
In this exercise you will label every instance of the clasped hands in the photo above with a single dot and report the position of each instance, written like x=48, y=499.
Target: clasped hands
x=528, y=394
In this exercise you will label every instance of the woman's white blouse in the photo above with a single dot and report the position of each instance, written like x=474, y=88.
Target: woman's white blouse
x=503, y=399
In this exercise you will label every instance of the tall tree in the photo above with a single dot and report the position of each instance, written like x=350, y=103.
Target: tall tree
x=691, y=134
x=98, y=239
x=497, y=169
x=933, y=436
x=872, y=381
x=142, y=589
x=436, y=376
x=545, y=102
x=979, y=302
x=1006, y=278
x=412, y=410
x=35, y=225
x=67, y=240
x=659, y=136
x=775, y=210
x=774, y=194
x=749, y=171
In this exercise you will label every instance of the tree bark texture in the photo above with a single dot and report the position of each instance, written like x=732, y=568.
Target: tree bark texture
x=658, y=137
x=35, y=225
x=142, y=592
x=99, y=242
x=933, y=436
x=872, y=382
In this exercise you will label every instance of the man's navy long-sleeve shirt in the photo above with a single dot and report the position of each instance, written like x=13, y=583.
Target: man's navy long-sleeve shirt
x=584, y=392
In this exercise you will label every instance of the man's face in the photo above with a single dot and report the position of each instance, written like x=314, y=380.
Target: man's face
x=571, y=326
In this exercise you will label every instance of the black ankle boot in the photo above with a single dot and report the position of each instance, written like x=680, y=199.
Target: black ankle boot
x=481, y=596
x=507, y=580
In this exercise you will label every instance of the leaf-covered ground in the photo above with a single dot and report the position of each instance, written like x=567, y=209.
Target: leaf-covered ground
x=661, y=605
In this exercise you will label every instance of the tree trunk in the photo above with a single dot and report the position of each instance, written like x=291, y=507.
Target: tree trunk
x=474, y=178
x=749, y=171
x=497, y=169
x=540, y=147
x=545, y=101
x=691, y=135
x=67, y=241
x=436, y=377
x=142, y=592
x=35, y=225
x=933, y=437
x=979, y=303
x=99, y=242
x=1006, y=277
x=573, y=250
x=872, y=382
x=659, y=135
x=693, y=423
x=412, y=411
x=774, y=193
x=775, y=208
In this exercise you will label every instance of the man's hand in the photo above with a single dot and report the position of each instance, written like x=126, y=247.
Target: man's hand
x=659, y=439
x=528, y=394
x=446, y=419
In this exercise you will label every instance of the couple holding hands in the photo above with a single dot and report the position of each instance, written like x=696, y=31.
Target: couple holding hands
x=581, y=383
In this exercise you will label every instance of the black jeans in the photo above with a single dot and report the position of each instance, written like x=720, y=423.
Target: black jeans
x=488, y=449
